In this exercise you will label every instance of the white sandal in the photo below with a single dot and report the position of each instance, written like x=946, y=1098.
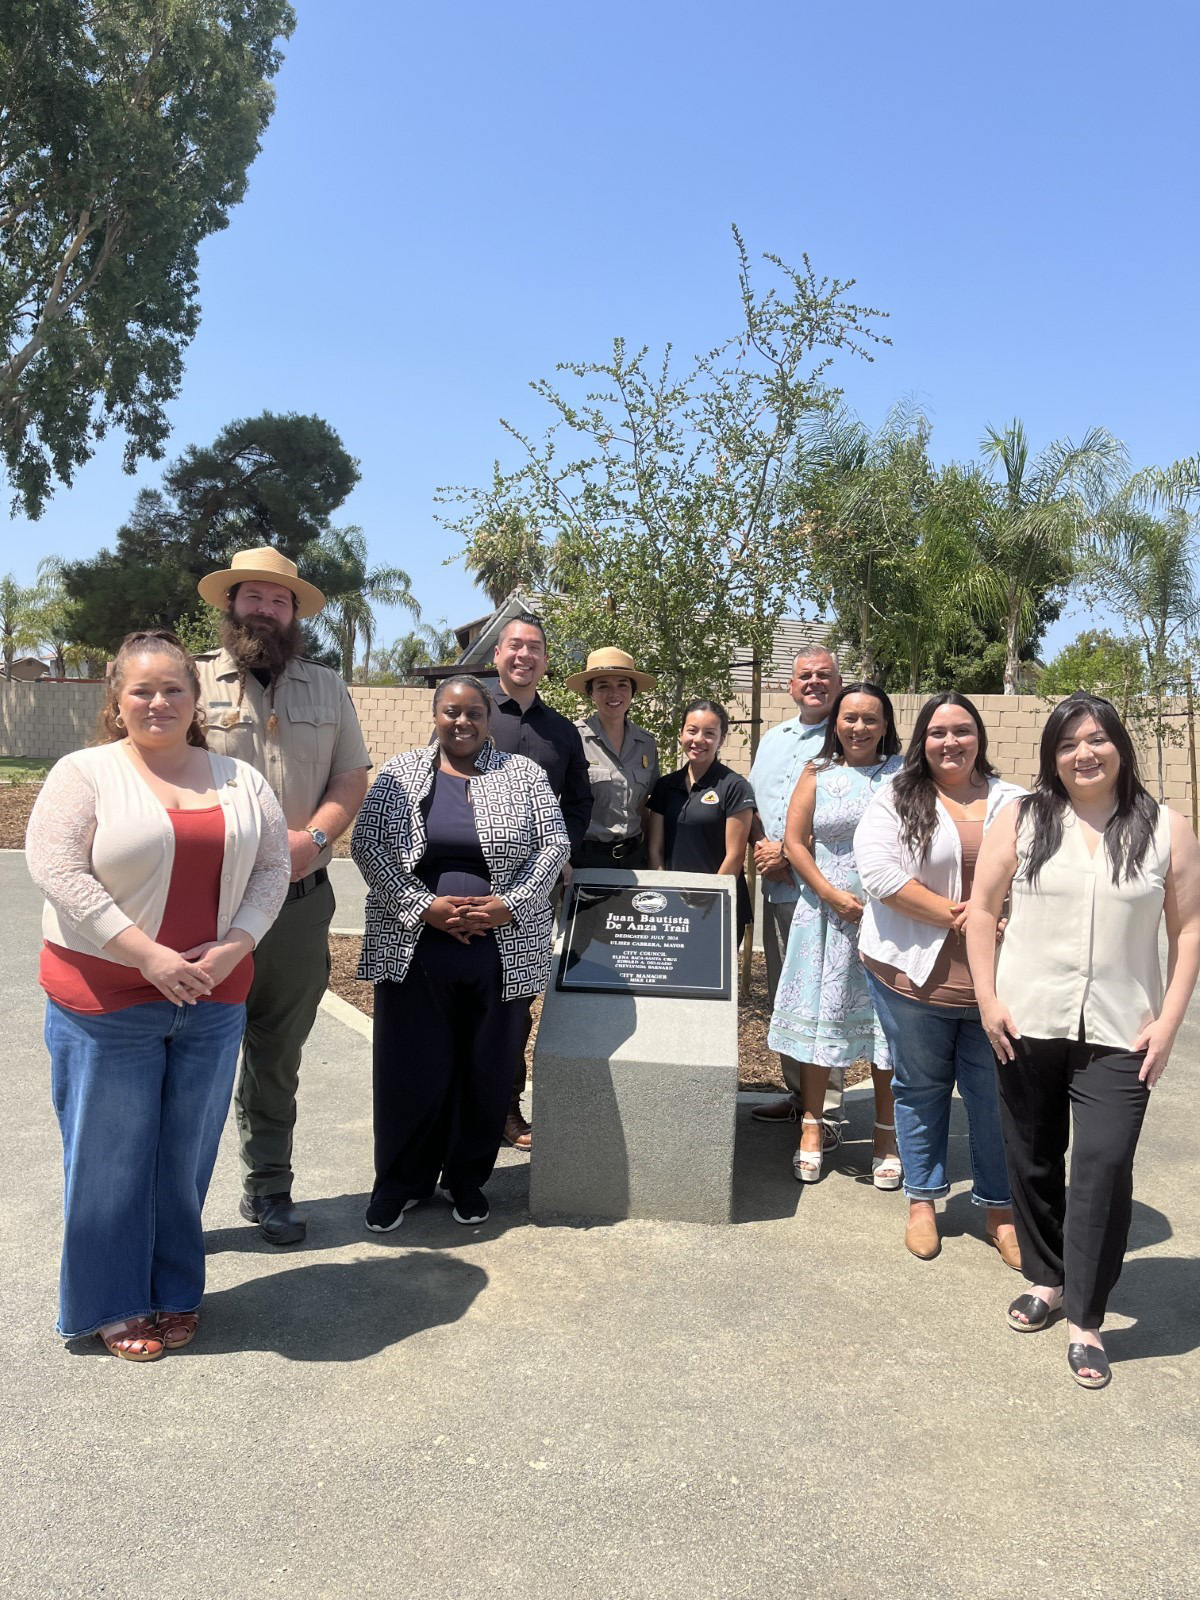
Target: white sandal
x=887, y=1172
x=806, y=1164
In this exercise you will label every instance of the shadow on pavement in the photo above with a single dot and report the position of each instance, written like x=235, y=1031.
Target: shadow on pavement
x=338, y=1311
x=337, y=1221
x=1162, y=1293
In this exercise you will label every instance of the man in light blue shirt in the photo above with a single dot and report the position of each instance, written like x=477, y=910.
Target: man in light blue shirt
x=781, y=758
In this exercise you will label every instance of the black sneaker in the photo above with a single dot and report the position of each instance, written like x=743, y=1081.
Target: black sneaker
x=384, y=1215
x=470, y=1205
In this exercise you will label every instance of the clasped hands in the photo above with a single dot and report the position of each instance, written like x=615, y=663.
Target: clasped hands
x=771, y=862
x=466, y=916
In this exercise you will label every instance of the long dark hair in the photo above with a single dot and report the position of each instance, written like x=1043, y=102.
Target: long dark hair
x=913, y=789
x=889, y=745
x=1129, y=830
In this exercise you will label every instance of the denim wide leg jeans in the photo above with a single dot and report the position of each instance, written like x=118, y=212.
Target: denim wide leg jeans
x=933, y=1049
x=141, y=1096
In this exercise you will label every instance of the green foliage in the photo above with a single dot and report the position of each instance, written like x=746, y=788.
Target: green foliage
x=18, y=630
x=338, y=566
x=22, y=769
x=892, y=544
x=1101, y=663
x=400, y=663
x=1040, y=510
x=667, y=501
x=126, y=134
x=199, y=630
x=505, y=551
x=1144, y=565
x=267, y=480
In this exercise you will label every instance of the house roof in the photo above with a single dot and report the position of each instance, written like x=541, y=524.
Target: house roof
x=792, y=634
x=478, y=652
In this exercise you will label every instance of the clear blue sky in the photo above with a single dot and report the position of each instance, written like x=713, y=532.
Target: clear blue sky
x=451, y=199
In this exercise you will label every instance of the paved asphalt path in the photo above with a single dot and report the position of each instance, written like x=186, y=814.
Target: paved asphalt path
x=789, y=1405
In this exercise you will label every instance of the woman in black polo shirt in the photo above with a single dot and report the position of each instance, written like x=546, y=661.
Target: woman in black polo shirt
x=699, y=819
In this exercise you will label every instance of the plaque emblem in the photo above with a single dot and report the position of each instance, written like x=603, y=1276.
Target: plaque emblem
x=649, y=901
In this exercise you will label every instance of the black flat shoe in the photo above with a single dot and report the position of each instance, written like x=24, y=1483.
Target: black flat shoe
x=278, y=1219
x=1033, y=1307
x=1092, y=1357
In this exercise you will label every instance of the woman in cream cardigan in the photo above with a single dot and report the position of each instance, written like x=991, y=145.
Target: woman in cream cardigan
x=162, y=865
x=1075, y=1007
x=916, y=848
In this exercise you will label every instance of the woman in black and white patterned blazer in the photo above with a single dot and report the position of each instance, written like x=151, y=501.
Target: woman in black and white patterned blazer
x=460, y=846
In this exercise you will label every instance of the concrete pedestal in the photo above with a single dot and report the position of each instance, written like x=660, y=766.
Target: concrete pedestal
x=635, y=1097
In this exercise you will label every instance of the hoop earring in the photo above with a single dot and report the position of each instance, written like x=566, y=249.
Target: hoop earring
x=200, y=717
x=118, y=720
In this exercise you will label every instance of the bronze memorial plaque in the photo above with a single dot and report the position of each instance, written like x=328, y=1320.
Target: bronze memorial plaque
x=634, y=939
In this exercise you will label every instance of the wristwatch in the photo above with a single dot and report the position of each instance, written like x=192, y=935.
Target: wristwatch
x=319, y=837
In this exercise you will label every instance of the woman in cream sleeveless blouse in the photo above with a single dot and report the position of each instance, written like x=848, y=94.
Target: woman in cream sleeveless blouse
x=1075, y=1007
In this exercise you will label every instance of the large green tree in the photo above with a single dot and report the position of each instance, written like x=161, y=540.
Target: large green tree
x=667, y=495
x=267, y=480
x=126, y=131
x=1100, y=662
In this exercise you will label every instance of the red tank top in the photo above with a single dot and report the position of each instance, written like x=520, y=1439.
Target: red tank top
x=88, y=983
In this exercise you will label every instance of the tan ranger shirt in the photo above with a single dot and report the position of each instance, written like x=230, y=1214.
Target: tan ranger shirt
x=621, y=781
x=318, y=736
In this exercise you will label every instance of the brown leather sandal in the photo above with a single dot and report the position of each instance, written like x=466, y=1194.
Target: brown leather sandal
x=177, y=1328
x=135, y=1339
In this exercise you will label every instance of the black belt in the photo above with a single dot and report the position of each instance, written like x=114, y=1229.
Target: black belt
x=616, y=850
x=297, y=891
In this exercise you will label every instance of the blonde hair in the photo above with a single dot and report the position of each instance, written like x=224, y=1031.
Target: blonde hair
x=147, y=642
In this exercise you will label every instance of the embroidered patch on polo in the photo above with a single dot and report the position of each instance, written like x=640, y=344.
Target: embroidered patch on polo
x=712, y=798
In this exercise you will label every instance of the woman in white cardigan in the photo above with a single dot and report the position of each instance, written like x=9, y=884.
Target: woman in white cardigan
x=1075, y=1007
x=162, y=865
x=916, y=847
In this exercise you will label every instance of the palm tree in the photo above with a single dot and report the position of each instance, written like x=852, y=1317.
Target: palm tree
x=1039, y=512
x=871, y=535
x=505, y=553
x=426, y=646
x=352, y=591
x=1145, y=567
x=17, y=627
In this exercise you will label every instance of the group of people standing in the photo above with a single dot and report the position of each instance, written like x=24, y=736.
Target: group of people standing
x=958, y=932
x=184, y=863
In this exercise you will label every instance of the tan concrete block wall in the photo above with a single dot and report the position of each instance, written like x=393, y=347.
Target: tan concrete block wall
x=46, y=720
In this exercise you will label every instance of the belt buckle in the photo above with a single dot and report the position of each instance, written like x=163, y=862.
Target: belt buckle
x=621, y=849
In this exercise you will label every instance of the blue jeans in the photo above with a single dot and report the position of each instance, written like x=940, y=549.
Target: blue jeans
x=141, y=1096
x=933, y=1048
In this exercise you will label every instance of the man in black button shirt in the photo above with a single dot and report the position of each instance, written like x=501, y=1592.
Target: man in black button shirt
x=523, y=724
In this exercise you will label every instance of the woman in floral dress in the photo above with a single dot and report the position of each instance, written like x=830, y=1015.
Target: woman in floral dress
x=823, y=1016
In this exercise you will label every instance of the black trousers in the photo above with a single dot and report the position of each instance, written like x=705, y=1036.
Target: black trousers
x=442, y=1068
x=1055, y=1090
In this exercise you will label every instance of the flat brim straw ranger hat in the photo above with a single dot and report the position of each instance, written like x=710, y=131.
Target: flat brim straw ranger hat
x=609, y=663
x=266, y=565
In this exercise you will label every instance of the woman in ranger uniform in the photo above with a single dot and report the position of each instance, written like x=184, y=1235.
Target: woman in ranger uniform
x=622, y=761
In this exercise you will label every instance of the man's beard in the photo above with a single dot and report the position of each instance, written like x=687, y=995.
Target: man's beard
x=259, y=644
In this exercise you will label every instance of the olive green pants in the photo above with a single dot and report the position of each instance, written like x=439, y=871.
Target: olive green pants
x=291, y=973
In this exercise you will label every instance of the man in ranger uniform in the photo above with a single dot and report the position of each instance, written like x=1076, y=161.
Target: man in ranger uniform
x=294, y=721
